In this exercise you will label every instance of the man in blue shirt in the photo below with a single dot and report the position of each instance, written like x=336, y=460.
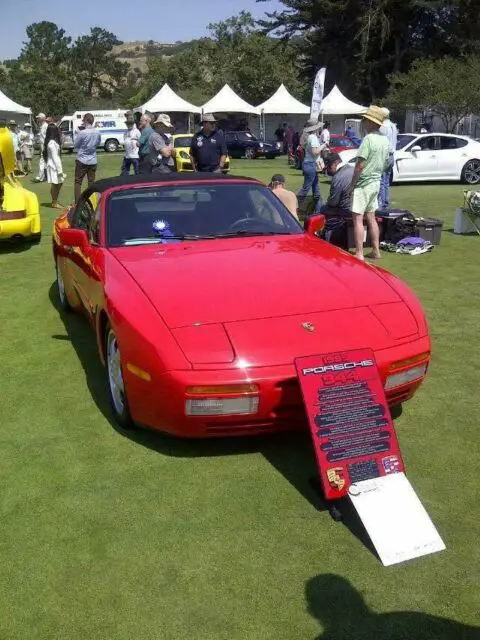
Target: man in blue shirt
x=388, y=129
x=208, y=150
x=86, y=143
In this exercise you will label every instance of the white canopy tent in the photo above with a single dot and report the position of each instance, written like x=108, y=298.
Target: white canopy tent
x=10, y=110
x=167, y=101
x=227, y=101
x=282, y=104
x=336, y=106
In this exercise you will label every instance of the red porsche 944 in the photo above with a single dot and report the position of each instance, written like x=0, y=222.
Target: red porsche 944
x=203, y=289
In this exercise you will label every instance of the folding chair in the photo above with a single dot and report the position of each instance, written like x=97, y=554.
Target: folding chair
x=471, y=208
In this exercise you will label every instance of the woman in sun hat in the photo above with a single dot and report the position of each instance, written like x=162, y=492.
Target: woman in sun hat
x=372, y=159
x=311, y=146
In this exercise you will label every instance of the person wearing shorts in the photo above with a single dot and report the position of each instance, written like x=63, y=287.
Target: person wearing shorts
x=372, y=158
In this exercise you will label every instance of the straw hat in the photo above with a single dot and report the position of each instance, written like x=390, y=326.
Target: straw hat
x=375, y=114
x=208, y=117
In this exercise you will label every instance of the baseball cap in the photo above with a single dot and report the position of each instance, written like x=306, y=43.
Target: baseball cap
x=41, y=115
x=278, y=179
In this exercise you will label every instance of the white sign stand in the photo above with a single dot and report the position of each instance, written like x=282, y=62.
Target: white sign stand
x=395, y=519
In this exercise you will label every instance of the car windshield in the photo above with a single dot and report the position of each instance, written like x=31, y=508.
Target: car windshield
x=183, y=141
x=169, y=214
x=245, y=135
x=404, y=139
x=341, y=142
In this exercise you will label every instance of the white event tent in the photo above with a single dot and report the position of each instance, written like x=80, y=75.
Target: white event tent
x=10, y=110
x=227, y=101
x=336, y=105
x=167, y=101
x=284, y=105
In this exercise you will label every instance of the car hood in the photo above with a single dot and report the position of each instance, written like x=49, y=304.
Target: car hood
x=238, y=280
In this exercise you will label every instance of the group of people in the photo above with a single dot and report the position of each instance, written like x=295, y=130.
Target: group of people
x=149, y=147
x=358, y=190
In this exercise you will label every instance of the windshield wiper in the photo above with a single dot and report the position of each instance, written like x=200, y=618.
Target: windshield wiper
x=245, y=233
x=161, y=239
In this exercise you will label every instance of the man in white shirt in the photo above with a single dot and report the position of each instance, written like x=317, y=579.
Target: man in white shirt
x=130, y=144
x=42, y=132
x=388, y=129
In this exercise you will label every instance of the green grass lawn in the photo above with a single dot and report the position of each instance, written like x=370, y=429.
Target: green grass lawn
x=104, y=537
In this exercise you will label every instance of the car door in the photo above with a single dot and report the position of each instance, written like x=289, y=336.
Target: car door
x=233, y=146
x=452, y=155
x=418, y=165
x=86, y=265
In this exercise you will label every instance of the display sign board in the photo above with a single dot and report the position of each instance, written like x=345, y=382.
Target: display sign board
x=349, y=418
x=395, y=519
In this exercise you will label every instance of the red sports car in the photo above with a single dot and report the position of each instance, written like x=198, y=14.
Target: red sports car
x=203, y=288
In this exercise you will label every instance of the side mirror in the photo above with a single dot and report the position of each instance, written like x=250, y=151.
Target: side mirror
x=74, y=238
x=314, y=224
x=416, y=148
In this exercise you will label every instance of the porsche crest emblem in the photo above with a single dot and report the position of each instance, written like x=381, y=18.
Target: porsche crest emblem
x=308, y=326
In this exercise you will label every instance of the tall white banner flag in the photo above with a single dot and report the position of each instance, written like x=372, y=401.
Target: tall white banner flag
x=317, y=94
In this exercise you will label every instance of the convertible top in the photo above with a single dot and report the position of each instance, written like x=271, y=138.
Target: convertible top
x=160, y=178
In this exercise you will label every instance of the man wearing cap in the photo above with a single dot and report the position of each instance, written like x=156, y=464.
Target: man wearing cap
x=371, y=161
x=339, y=201
x=388, y=129
x=160, y=154
x=42, y=132
x=130, y=145
x=208, y=150
x=289, y=199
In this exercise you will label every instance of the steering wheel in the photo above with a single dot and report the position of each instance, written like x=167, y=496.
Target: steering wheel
x=243, y=222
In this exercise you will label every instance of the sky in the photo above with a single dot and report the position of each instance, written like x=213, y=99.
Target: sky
x=160, y=20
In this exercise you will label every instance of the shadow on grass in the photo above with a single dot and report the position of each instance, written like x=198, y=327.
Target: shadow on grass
x=290, y=453
x=17, y=246
x=344, y=614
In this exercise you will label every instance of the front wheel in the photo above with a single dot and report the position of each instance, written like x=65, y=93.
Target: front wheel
x=471, y=172
x=111, y=146
x=115, y=382
x=249, y=153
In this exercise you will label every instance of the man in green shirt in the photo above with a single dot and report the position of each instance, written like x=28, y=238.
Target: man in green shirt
x=372, y=158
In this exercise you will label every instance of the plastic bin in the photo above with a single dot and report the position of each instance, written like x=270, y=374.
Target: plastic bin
x=429, y=229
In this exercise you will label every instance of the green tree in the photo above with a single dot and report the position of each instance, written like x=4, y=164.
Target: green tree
x=41, y=77
x=448, y=88
x=96, y=71
x=361, y=42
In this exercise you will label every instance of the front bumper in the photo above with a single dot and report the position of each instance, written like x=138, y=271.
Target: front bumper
x=160, y=403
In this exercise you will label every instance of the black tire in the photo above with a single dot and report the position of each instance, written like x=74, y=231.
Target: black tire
x=61, y=293
x=111, y=146
x=114, y=376
x=471, y=172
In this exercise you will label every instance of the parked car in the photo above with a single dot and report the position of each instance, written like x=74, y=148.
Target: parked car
x=182, y=143
x=19, y=208
x=338, y=143
x=242, y=144
x=433, y=156
x=179, y=276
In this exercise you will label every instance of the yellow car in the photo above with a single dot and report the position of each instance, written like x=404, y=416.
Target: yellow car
x=19, y=208
x=181, y=143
